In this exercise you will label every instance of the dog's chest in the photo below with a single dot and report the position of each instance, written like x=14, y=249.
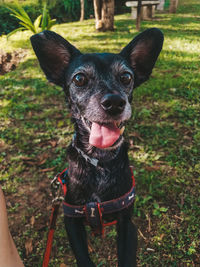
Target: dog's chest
x=96, y=185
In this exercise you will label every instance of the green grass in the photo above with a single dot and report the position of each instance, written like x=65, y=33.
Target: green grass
x=164, y=136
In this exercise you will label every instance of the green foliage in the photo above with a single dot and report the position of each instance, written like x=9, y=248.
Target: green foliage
x=6, y=22
x=61, y=10
x=9, y=23
x=47, y=22
x=72, y=8
x=158, y=210
x=42, y=22
x=69, y=10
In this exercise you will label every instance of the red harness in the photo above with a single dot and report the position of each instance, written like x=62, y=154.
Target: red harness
x=92, y=212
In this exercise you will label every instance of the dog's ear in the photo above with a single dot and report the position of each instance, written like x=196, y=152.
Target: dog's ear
x=54, y=54
x=142, y=52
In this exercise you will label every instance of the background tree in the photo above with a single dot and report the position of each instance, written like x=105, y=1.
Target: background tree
x=138, y=19
x=173, y=6
x=82, y=10
x=104, y=14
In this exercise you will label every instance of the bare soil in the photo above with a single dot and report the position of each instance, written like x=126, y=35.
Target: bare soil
x=9, y=61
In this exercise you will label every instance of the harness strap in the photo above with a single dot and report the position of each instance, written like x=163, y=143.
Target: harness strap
x=94, y=216
x=93, y=211
x=105, y=207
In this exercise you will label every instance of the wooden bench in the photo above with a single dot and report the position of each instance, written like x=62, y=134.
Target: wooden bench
x=148, y=8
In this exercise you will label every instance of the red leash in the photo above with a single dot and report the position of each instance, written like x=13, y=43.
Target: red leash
x=54, y=214
x=56, y=192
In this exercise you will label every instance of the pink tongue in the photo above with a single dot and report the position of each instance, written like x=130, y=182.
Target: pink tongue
x=103, y=136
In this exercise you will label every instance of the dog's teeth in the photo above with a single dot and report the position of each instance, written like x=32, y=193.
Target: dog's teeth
x=122, y=130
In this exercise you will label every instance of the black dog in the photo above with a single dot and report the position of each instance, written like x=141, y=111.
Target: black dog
x=98, y=89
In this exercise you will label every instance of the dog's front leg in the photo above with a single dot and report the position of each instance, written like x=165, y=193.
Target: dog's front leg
x=126, y=241
x=78, y=241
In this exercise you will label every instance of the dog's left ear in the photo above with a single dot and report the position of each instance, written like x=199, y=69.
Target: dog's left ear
x=142, y=53
x=54, y=54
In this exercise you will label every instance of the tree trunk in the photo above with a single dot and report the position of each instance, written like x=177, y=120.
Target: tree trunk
x=104, y=14
x=173, y=6
x=139, y=11
x=97, y=14
x=82, y=10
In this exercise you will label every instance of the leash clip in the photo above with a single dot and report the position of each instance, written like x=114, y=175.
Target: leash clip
x=56, y=190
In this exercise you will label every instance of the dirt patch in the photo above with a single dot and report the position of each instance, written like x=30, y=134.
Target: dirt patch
x=9, y=61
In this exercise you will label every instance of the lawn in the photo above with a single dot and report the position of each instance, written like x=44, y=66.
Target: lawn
x=164, y=137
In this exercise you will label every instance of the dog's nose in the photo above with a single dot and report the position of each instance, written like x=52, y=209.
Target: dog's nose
x=113, y=104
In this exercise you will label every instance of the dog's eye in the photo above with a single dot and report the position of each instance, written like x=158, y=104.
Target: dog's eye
x=80, y=79
x=125, y=78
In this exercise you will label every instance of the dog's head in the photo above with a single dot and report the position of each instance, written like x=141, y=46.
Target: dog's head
x=99, y=86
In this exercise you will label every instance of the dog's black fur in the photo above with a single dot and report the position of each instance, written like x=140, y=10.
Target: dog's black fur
x=98, y=88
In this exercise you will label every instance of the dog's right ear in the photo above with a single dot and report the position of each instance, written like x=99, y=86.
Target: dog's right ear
x=54, y=54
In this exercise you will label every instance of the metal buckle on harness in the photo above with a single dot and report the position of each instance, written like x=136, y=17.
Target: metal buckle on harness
x=56, y=190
